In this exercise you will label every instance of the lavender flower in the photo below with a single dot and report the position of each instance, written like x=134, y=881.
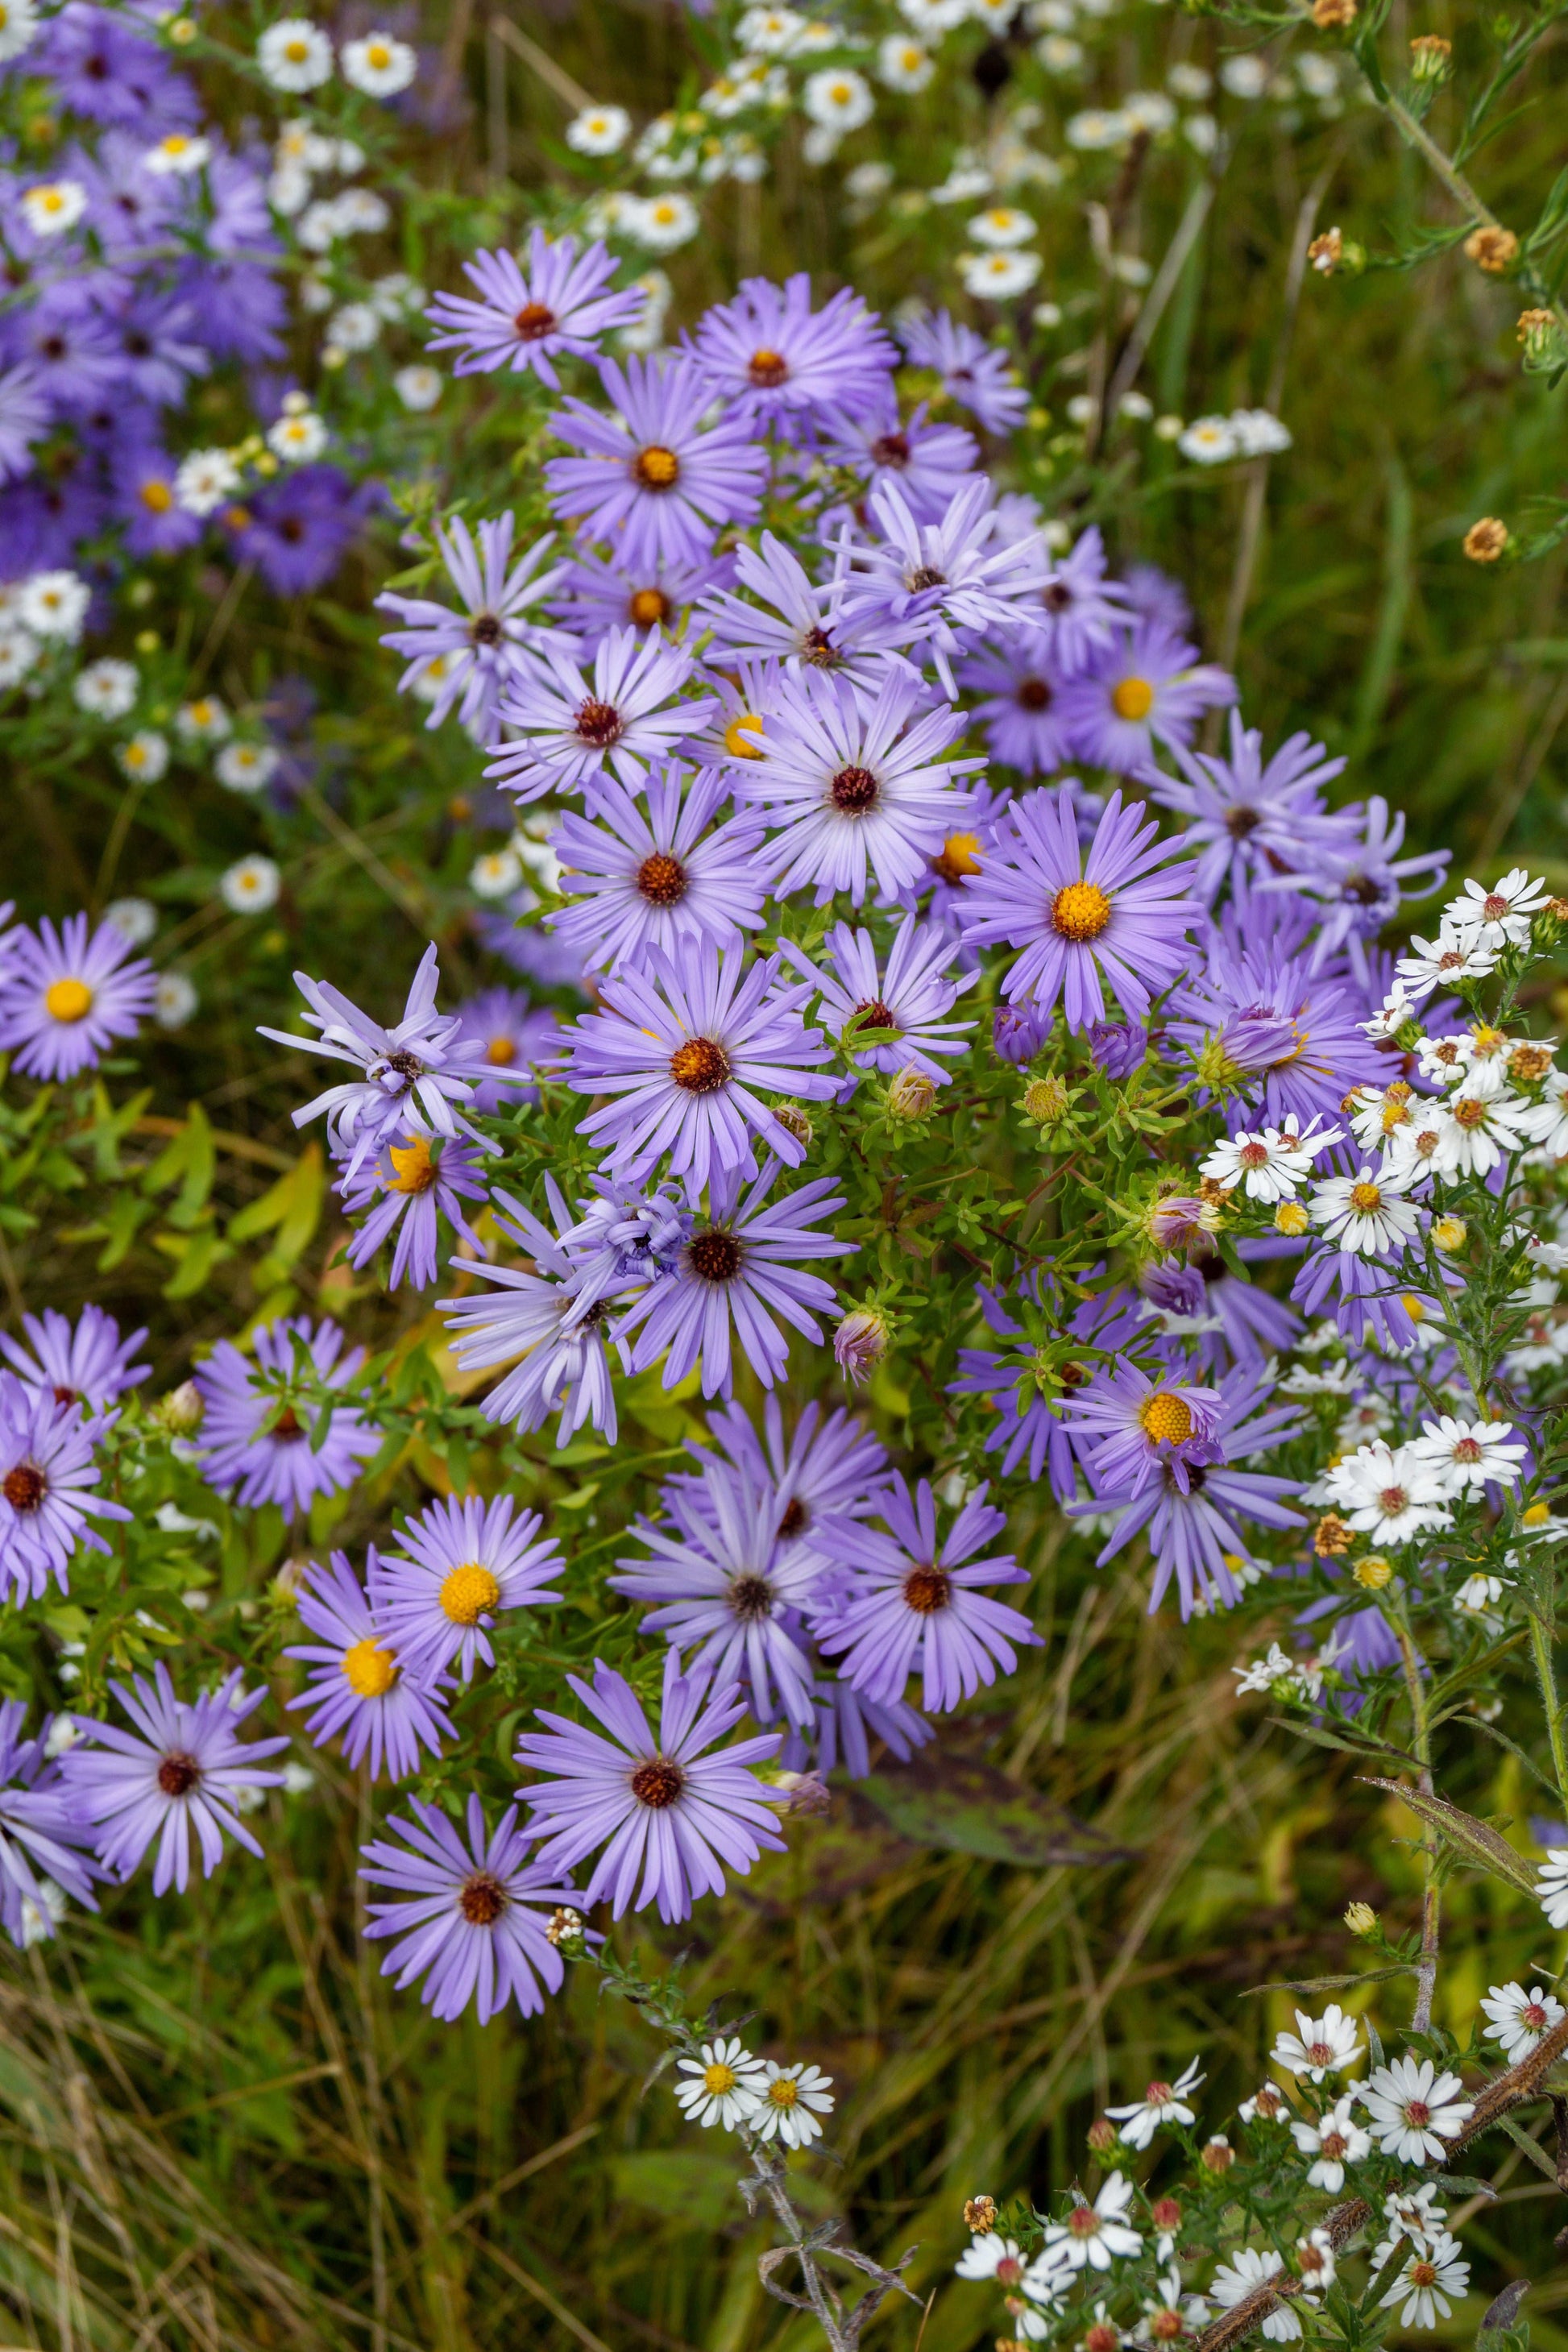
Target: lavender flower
x=1139, y=1429
x=972, y=370
x=552, y=1315
x=914, y=1605
x=665, y=1810
x=655, y=477
x=1152, y=689
x=523, y=321
x=1362, y=882
x=516, y=1037
x=65, y=995
x=1082, y=610
x=470, y=1918
x=297, y=529
x=832, y=1465
x=793, y=625
x=40, y=1830
x=776, y=361
x=1077, y=920
x=88, y=1363
x=181, y=1772
x=602, y=593
x=361, y=1687
x=48, y=1481
x=656, y=876
x=1018, y=703
x=738, y=1266
x=912, y=995
x=24, y=419
x=929, y=462
x=686, y=1055
x=1248, y=816
x=940, y=581
x=1270, y=1026
x=469, y=656
x=572, y=730
x=267, y=1437
x=411, y=1188
x=462, y=1561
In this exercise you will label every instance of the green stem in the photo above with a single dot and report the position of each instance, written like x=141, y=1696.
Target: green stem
x=1421, y=1741
x=1540, y=1636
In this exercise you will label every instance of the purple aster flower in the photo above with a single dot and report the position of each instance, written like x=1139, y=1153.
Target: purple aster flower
x=1117, y=1048
x=142, y=474
x=1027, y=1426
x=1362, y=883
x=776, y=361
x=1268, y=1027
x=601, y=593
x=156, y=336
x=519, y=940
x=664, y=1810
x=524, y=321
x=686, y=1055
x=41, y=1831
x=460, y=1563
x=1230, y=1321
x=650, y=874
x=24, y=419
x=516, y=1035
x=845, y=1728
x=1248, y=817
x=857, y=785
x=68, y=348
x=739, y=1265
x=418, y=1075
x=832, y=1465
x=45, y=520
x=914, y=1605
x=1366, y=1297
x=1017, y=687
x=104, y=68
x=48, y=1481
x=655, y=477
x=730, y=1596
x=1140, y=1429
x=411, y=1188
x=300, y=527
x=360, y=1684
x=929, y=462
x=468, y=657
x=1150, y=688
x=88, y=1363
x=182, y=1771
x=972, y=370
x=1017, y=1033
x=1110, y=916
x=268, y=1433
x=747, y=693
x=1156, y=596
x=1083, y=611
x=940, y=581
x=472, y=1920
x=130, y=208
x=913, y=995
x=65, y=995
x=243, y=309
x=791, y=623
x=550, y=1313
x=1195, y=1528
x=574, y=731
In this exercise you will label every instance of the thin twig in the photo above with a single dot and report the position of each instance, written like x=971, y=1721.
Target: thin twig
x=570, y=93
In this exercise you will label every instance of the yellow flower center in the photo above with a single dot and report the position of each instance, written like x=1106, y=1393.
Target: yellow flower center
x=68, y=999
x=783, y=2093
x=297, y=51
x=717, y=2079
x=959, y=855
x=500, y=1052
x=415, y=1171
x=369, y=1671
x=1081, y=910
x=378, y=54
x=1165, y=1420
x=467, y=1592
x=1365, y=1197
x=1537, y=1515
x=157, y=497
x=1134, y=698
x=737, y=732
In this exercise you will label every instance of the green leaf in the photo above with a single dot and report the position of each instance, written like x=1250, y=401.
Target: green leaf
x=1477, y=1842
x=966, y=1806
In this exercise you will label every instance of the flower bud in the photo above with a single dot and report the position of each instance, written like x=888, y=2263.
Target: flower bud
x=1118, y=1047
x=1360, y=1918
x=800, y=1793
x=289, y=1581
x=1492, y=248
x=1333, y=252
x=1430, y=55
x=980, y=2215
x=1166, y=2214
x=1103, y=2134
x=1217, y=2156
x=1486, y=540
x=1449, y=1233
x=1018, y=1032
x=793, y=1121
x=1179, y=1220
x=180, y=1412
x=1373, y=1573
x=1290, y=1217
x=860, y=1343
x=1103, y=2338
x=912, y=1095
x=1541, y=337
x=1046, y=1100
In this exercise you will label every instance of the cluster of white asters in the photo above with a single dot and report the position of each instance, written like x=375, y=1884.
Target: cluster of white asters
x=38, y=616
x=727, y=2087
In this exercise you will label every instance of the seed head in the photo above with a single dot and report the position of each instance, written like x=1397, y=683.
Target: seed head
x=1487, y=539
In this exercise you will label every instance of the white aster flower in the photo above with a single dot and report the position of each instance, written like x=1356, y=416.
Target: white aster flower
x=53, y=605
x=661, y=223
x=770, y=32
x=1518, y=2019
x=174, y=1000
x=1480, y=1124
x=1209, y=441
x=1248, y=2269
x=1276, y=1670
x=19, y=28
x=838, y=99
x=1431, y=2275
x=1469, y=1454
x=1320, y=2045
x=903, y=64
x=144, y=757
x=1388, y=1493
x=1271, y=1164
x=1478, y=1593
x=1267, y=2105
x=379, y=65
x=1498, y=917
x=1190, y=82
x=599, y=130
x=496, y=874
x=1095, y=131
x=1552, y=1886
x=298, y=438
x=294, y=55
x=1365, y=1213
x=1001, y=229
x=204, y=480
x=246, y=767
x=1259, y=434
x=994, y=277
x=19, y=654
x=1392, y=1014
x=791, y=2103
x=106, y=690
x=205, y=720
x=135, y=920
x=1245, y=76
x=418, y=387
x=177, y=156
x=1162, y=2103
x=251, y=885
x=933, y=16
x=356, y=327
x=1451, y=957
x=1094, y=2236
x=50, y=207
x=1414, y=2108
x=1546, y=1122
x=992, y=2256
x=1410, y=2213
x=722, y=2087
x=361, y=213
x=1332, y=2140
x=1315, y=2260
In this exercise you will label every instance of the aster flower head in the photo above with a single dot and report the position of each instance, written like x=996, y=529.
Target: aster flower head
x=268, y=1435
x=552, y=1313
x=42, y=1831
x=1250, y=815
x=516, y=1035
x=738, y=1271
x=793, y=621
x=1094, y=2236
x=686, y=1054
x=1517, y=2018
x=774, y=359
x=359, y=1685
x=49, y=1475
x=65, y=995
x=1151, y=689
x=603, y=593
x=1080, y=921
x=791, y=2100
x=1414, y=2110
x=654, y=477
x=857, y=787
x=1500, y=916
x=937, y=582
x=1360, y=884
x=298, y=527
x=471, y=1911
x=527, y=319
x=1332, y=2140
x=1389, y=1493
x=178, y=1775
x=1470, y=1455
x=831, y=1467
x=1162, y=2103
x=1270, y=1165
x=1444, y=961
x=1017, y=688
x=570, y=729
x=671, y=1815
x=413, y=1186
x=480, y=650
x=1249, y=2268
x=460, y=1563
x=1432, y=2279
x=656, y=871
x=723, y=2086
x=1320, y=2045
x=1552, y=1886
x=1266, y=1020
x=912, y=1604
x=1368, y=1213
x=972, y=370
x=912, y=995
x=86, y=1362
x=1082, y=610
x=1480, y=1124
x=877, y=444
x=1138, y=1428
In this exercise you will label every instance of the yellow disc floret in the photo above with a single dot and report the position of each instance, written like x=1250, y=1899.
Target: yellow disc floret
x=1132, y=698
x=68, y=999
x=1081, y=910
x=1166, y=1420
x=739, y=734
x=467, y=1592
x=369, y=1671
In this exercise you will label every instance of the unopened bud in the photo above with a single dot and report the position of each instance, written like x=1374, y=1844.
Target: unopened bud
x=860, y=1343
x=1486, y=540
x=912, y=1095
x=564, y=1930
x=1103, y=2338
x=1541, y=337
x=800, y=1793
x=180, y=1412
x=1429, y=57
x=1333, y=252
x=182, y=31
x=1331, y=1536
x=1179, y=1220
x=1373, y=1573
x=1046, y=1100
x=793, y=1121
x=1333, y=15
x=1166, y=2214
x=1290, y=1217
x=289, y=1581
x=1217, y=2156
x=1450, y=1233
x=1103, y=2134
x=980, y=2215
x=1360, y=1918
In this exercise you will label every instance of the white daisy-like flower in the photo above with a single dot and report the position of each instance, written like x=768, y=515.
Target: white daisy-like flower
x=1332, y=2140
x=1271, y=1164
x=722, y=2087
x=770, y=32
x=19, y=654
x=661, y=223
x=791, y=2103
x=1245, y=76
x=106, y=690
x=1498, y=918
x=1478, y=1593
x=599, y=130
x=1315, y=2260
x=298, y=438
x=1518, y=2019
x=1096, y=129
x=1367, y=1213
x=1209, y=441
x=19, y=28
x=356, y=327
x=1320, y=2045
x=496, y=874
x=1258, y=432
x=1431, y=2275
x=247, y=767
x=250, y=885
x=996, y=276
x=135, y=920
x=1059, y=53
x=1267, y=2105
x=1378, y=1113
x=1480, y=1124
x=204, y=480
x=179, y=155
x=1552, y=1886
x=1274, y=1672
x=174, y=1000
x=933, y=17
x=293, y=54
x=144, y=757
x=50, y=207
x=1469, y=1454
x=53, y=605
x=1249, y=2268
x=1414, y=2108
x=1392, y=1014
x=838, y=99
x=1001, y=229
x=1162, y=2103
x=1094, y=2236
x=205, y=720
x=903, y=64
x=1388, y=1492
x=1442, y=962
x=379, y=65
x=992, y=2256
x=1412, y=2214
x=418, y=387
x=1546, y=1122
